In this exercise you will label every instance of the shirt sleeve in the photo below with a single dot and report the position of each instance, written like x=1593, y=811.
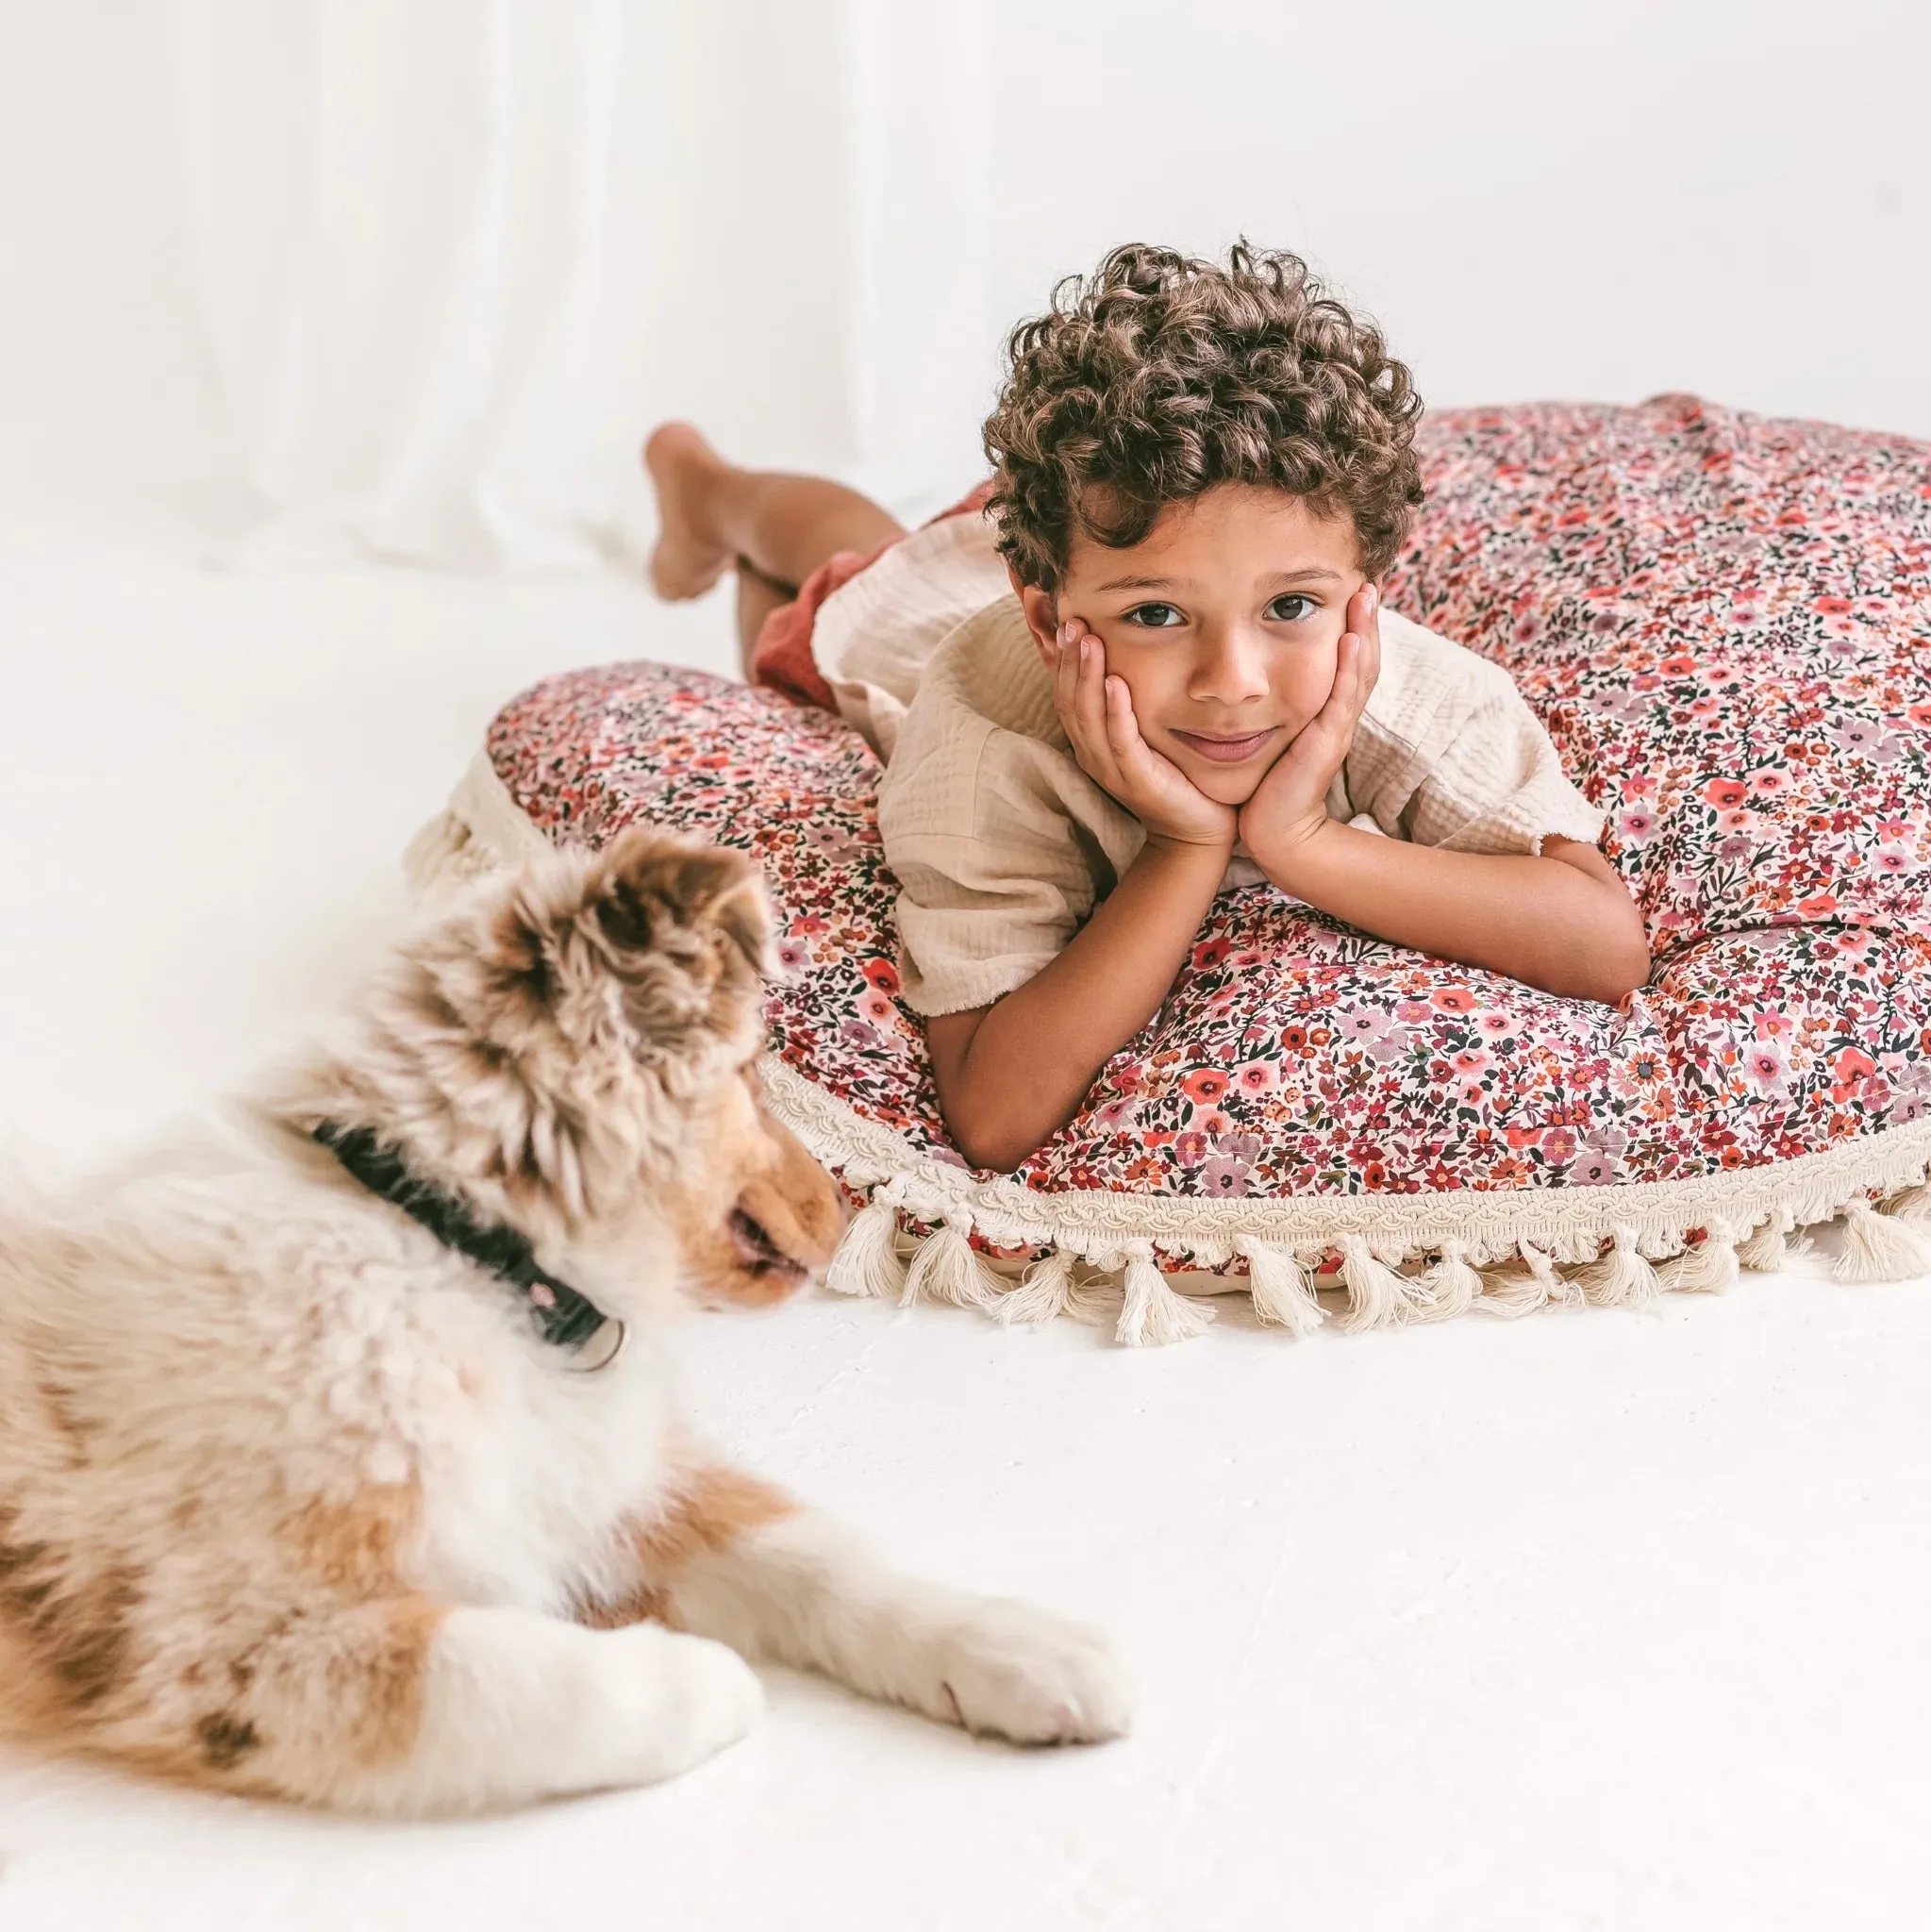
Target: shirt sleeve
x=995, y=877
x=969, y=933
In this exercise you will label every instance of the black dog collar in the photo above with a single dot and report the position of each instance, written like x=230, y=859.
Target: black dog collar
x=562, y=1316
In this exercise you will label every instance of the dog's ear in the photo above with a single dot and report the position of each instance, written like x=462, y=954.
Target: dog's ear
x=649, y=887
x=687, y=928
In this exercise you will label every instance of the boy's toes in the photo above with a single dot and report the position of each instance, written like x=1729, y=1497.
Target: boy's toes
x=686, y=560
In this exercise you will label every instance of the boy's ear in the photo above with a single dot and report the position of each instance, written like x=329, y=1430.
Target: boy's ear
x=1042, y=618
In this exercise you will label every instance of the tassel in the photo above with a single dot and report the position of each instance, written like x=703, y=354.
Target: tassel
x=867, y=1261
x=1554, y=1288
x=1709, y=1268
x=1281, y=1290
x=1450, y=1288
x=444, y=855
x=1046, y=1291
x=948, y=1268
x=1152, y=1314
x=1880, y=1247
x=1096, y=1300
x=1377, y=1296
x=1766, y=1250
x=1913, y=1207
x=1621, y=1279
x=1509, y=1294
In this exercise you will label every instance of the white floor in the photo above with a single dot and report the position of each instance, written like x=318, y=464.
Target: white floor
x=1594, y=1621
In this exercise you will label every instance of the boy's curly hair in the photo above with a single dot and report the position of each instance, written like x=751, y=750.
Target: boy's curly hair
x=1158, y=376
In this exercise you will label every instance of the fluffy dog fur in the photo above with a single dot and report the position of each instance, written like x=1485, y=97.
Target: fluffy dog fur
x=294, y=1502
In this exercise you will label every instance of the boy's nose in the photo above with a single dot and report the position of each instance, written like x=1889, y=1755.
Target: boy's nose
x=1232, y=668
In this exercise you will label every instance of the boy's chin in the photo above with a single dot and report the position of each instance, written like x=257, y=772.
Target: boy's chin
x=1225, y=787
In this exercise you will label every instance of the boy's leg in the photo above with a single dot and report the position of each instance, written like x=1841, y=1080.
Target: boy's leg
x=715, y=517
x=757, y=597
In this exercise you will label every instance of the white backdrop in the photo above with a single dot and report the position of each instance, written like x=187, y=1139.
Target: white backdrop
x=422, y=272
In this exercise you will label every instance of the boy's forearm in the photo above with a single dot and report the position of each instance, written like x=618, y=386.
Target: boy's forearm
x=1027, y=1065
x=1542, y=921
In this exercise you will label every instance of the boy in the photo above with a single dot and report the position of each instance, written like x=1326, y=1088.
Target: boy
x=1156, y=666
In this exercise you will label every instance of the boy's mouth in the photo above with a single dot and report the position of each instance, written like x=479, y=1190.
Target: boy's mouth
x=1224, y=749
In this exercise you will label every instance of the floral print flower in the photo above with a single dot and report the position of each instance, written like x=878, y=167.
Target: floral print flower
x=1206, y=1085
x=1222, y=1178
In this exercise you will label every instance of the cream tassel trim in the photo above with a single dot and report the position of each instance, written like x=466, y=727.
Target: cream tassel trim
x=948, y=1268
x=1767, y=1250
x=1152, y=1314
x=1709, y=1268
x=1377, y=1296
x=1452, y=1287
x=1555, y=1288
x=1046, y=1291
x=1508, y=1293
x=1619, y=1279
x=1282, y=1292
x=866, y=1262
x=1880, y=1247
x=1913, y=1207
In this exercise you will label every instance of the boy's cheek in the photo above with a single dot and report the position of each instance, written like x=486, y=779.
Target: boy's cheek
x=1147, y=690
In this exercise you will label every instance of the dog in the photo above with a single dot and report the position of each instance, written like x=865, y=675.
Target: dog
x=339, y=1459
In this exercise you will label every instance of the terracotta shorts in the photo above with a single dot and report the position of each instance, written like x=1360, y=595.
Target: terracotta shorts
x=782, y=655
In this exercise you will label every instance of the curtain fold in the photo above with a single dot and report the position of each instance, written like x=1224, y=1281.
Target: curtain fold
x=453, y=258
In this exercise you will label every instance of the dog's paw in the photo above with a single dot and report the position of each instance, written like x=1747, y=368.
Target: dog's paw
x=688, y=1699
x=1021, y=1673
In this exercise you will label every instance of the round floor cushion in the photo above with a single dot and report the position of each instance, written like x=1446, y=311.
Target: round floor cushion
x=1725, y=622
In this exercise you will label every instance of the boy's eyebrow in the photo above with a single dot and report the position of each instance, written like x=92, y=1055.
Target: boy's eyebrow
x=1312, y=574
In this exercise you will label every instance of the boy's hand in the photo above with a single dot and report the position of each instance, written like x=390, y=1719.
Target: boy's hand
x=1290, y=803
x=1098, y=711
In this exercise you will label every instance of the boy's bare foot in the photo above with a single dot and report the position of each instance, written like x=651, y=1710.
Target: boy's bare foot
x=689, y=558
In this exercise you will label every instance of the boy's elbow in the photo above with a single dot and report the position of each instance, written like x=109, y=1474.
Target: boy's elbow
x=1610, y=974
x=991, y=1146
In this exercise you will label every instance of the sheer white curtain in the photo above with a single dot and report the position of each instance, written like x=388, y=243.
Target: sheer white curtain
x=454, y=256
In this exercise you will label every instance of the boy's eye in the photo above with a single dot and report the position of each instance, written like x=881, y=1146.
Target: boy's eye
x=1155, y=616
x=1291, y=607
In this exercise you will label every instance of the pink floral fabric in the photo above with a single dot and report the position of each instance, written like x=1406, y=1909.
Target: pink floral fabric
x=1726, y=624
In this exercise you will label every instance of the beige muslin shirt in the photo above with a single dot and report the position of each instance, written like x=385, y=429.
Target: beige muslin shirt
x=1002, y=845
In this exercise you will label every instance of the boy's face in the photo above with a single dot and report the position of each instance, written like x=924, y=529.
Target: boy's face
x=1224, y=624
